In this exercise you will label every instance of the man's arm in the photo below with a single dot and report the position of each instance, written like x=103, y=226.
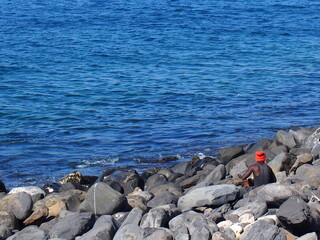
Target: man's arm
x=247, y=174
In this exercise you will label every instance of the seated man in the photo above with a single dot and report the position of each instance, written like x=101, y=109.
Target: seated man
x=262, y=173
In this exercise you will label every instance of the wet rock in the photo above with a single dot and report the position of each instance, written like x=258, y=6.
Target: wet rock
x=163, y=198
x=29, y=233
x=296, y=215
x=72, y=226
x=103, y=229
x=75, y=177
x=159, y=216
x=286, y=139
x=102, y=199
x=155, y=180
x=227, y=154
x=262, y=230
x=208, y=196
x=20, y=204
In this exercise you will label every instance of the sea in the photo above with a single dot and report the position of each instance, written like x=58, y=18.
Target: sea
x=88, y=85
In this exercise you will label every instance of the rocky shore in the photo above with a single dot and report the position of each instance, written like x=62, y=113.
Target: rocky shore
x=201, y=199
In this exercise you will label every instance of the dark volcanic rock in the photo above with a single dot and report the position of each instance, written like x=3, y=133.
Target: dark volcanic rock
x=262, y=230
x=296, y=215
x=29, y=233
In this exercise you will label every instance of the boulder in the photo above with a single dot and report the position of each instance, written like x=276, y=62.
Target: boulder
x=130, y=229
x=5, y=232
x=182, y=167
x=274, y=194
x=281, y=162
x=257, y=208
x=30, y=190
x=261, y=145
x=71, y=226
x=29, y=233
x=103, y=200
x=8, y=220
x=171, y=187
x=160, y=234
x=262, y=230
x=238, y=169
x=75, y=177
x=20, y=204
x=301, y=159
x=295, y=215
x=216, y=175
x=286, y=139
x=155, y=180
x=192, y=225
x=159, y=216
x=163, y=198
x=215, y=195
x=308, y=236
x=300, y=134
x=227, y=154
x=310, y=174
x=137, y=201
x=103, y=229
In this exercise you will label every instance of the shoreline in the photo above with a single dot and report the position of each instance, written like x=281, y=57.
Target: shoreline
x=162, y=203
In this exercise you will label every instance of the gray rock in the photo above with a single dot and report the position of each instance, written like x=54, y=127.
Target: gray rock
x=308, y=236
x=35, y=192
x=278, y=149
x=103, y=229
x=159, y=216
x=155, y=180
x=227, y=154
x=166, y=172
x=8, y=220
x=238, y=169
x=274, y=194
x=277, y=164
x=261, y=145
x=286, y=139
x=192, y=224
x=5, y=232
x=295, y=214
x=310, y=174
x=300, y=134
x=191, y=181
x=220, y=236
x=130, y=228
x=163, y=198
x=216, y=175
x=312, y=142
x=208, y=196
x=301, y=159
x=262, y=230
x=182, y=167
x=20, y=204
x=256, y=207
x=71, y=226
x=137, y=201
x=160, y=234
x=101, y=199
x=46, y=226
x=171, y=187
x=29, y=233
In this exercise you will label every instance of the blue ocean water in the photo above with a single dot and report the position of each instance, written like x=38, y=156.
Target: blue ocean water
x=92, y=84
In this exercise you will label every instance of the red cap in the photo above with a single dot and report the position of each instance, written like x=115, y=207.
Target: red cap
x=260, y=156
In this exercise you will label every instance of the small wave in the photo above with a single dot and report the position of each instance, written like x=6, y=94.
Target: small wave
x=100, y=162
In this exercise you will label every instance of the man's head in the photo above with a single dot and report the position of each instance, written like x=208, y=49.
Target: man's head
x=260, y=156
